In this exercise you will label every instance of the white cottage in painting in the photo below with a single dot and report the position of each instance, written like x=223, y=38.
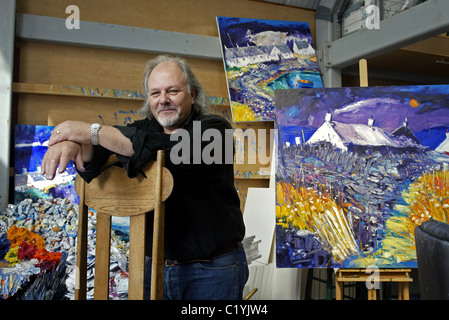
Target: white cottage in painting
x=272, y=52
x=285, y=52
x=327, y=133
x=444, y=146
x=243, y=56
x=343, y=135
x=303, y=47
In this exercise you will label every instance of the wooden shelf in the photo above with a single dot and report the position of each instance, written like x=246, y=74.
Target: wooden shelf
x=248, y=174
x=75, y=91
x=79, y=91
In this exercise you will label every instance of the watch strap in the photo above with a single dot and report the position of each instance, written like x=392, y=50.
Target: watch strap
x=94, y=127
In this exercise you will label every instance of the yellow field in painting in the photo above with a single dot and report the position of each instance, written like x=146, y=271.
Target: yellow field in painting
x=426, y=198
x=312, y=209
x=242, y=112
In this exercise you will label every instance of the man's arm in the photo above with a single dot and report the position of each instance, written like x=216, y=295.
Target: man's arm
x=78, y=131
x=72, y=140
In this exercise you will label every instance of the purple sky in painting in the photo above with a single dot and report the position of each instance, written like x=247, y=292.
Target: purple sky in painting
x=233, y=30
x=389, y=106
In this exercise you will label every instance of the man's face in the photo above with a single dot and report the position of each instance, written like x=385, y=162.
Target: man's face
x=168, y=96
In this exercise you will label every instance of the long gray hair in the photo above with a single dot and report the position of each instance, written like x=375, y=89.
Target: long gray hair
x=201, y=103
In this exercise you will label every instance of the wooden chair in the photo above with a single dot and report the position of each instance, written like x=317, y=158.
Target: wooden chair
x=113, y=193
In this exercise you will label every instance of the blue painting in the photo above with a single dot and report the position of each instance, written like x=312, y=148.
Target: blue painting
x=261, y=56
x=31, y=143
x=358, y=169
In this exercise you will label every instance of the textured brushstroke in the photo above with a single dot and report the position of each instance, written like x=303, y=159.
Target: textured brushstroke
x=358, y=170
x=261, y=56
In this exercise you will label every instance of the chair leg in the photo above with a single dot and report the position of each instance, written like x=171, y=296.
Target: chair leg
x=81, y=252
x=102, y=256
x=136, y=288
x=157, y=268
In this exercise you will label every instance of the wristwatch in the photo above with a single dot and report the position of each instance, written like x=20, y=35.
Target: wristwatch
x=94, y=127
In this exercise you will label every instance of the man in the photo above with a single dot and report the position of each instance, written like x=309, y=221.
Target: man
x=204, y=224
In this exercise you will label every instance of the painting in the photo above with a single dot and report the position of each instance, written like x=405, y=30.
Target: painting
x=261, y=56
x=31, y=143
x=358, y=169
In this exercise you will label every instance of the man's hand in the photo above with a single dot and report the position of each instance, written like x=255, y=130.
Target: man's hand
x=76, y=131
x=60, y=154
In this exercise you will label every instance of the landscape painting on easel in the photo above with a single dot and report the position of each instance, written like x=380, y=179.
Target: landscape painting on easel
x=358, y=169
x=261, y=56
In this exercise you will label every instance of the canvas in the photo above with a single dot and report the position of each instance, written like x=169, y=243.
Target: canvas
x=261, y=56
x=358, y=169
x=31, y=143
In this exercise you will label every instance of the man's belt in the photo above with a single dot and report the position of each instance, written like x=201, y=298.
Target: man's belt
x=173, y=263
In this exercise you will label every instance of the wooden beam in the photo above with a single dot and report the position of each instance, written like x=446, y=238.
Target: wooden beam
x=117, y=37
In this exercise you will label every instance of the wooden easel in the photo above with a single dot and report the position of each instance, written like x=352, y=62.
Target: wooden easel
x=402, y=276
x=113, y=193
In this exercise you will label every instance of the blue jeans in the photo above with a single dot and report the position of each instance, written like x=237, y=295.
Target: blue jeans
x=223, y=278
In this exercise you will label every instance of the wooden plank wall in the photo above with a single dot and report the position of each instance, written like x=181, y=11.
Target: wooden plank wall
x=42, y=69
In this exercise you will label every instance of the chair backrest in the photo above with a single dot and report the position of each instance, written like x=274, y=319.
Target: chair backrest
x=113, y=193
x=432, y=252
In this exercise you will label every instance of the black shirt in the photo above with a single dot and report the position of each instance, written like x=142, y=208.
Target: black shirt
x=202, y=214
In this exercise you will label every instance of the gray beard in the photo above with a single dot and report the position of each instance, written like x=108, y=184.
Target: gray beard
x=168, y=122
